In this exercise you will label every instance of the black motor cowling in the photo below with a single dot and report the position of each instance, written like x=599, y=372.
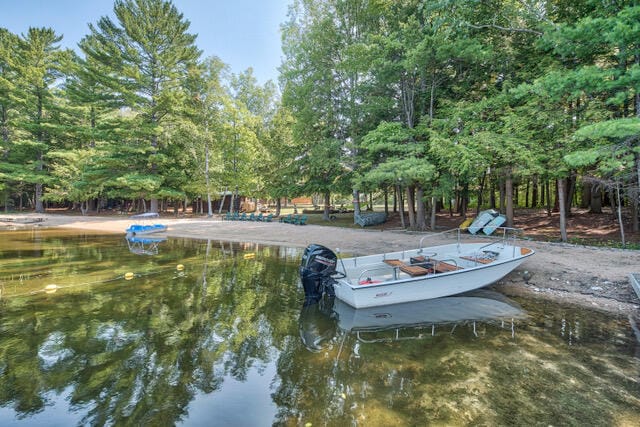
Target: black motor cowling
x=317, y=266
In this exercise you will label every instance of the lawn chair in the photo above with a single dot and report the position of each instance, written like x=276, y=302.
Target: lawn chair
x=268, y=218
x=301, y=220
x=252, y=217
x=260, y=217
x=227, y=217
x=286, y=218
x=243, y=217
x=235, y=216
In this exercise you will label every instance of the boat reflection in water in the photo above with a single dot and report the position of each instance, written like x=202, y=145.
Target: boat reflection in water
x=321, y=319
x=144, y=245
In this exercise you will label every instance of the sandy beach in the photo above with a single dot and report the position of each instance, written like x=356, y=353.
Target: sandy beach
x=581, y=275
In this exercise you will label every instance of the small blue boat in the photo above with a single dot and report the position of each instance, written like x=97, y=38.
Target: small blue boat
x=139, y=229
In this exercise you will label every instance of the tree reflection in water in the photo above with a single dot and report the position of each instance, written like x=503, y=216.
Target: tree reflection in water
x=149, y=350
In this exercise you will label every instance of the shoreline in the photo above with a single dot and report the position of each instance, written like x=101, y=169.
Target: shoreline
x=593, y=277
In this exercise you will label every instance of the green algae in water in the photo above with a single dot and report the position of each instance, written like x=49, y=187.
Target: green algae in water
x=224, y=340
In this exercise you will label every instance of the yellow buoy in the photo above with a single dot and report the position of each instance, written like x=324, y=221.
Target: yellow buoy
x=249, y=256
x=128, y=276
x=179, y=267
x=49, y=289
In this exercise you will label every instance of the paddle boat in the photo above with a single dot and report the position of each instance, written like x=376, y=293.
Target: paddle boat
x=141, y=229
x=411, y=275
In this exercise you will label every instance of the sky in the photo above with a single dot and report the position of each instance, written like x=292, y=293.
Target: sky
x=243, y=33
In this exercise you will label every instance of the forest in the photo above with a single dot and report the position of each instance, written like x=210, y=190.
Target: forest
x=446, y=104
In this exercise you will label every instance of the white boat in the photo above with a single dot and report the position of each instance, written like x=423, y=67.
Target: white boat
x=141, y=229
x=411, y=275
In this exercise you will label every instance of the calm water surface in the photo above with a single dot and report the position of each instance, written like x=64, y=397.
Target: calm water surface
x=213, y=333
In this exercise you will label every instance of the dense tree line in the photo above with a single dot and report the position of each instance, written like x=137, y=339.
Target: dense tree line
x=138, y=117
x=455, y=102
x=436, y=104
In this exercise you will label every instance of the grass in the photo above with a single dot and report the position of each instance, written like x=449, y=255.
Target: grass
x=604, y=243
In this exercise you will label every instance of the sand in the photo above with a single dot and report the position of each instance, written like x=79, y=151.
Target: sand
x=580, y=275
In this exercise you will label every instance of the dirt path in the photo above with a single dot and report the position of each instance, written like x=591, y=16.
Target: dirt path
x=588, y=276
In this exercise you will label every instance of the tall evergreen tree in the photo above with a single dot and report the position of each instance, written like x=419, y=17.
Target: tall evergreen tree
x=147, y=53
x=38, y=64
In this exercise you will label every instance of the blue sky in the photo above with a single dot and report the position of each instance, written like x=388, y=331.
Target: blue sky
x=243, y=33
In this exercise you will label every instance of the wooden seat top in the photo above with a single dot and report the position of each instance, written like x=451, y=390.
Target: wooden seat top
x=445, y=267
x=414, y=270
x=394, y=262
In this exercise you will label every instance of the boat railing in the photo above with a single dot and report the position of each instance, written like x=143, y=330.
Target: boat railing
x=367, y=273
x=441, y=233
x=509, y=235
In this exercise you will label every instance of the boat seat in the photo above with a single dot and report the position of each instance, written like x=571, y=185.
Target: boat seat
x=445, y=267
x=415, y=270
x=394, y=262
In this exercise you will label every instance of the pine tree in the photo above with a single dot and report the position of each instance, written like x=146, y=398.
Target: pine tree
x=143, y=58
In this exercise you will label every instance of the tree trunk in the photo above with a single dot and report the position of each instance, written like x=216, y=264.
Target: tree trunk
x=400, y=206
x=534, y=192
x=395, y=198
x=571, y=191
x=386, y=201
x=547, y=192
x=635, y=195
x=434, y=210
x=480, y=191
x=502, y=197
x=356, y=205
x=561, y=208
x=278, y=206
x=327, y=206
x=492, y=195
x=207, y=180
x=620, y=222
x=421, y=216
x=508, y=189
x=464, y=202
x=585, y=200
x=153, y=205
x=224, y=196
x=596, y=199
x=38, y=199
x=410, y=206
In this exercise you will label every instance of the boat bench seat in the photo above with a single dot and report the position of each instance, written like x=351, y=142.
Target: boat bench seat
x=415, y=270
x=445, y=267
x=394, y=262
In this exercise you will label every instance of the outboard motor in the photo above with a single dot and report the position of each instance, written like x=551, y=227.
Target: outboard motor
x=317, y=265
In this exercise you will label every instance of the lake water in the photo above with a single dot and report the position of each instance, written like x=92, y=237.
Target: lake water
x=213, y=333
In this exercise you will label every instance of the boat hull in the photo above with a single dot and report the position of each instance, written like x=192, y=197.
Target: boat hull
x=138, y=230
x=372, y=294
